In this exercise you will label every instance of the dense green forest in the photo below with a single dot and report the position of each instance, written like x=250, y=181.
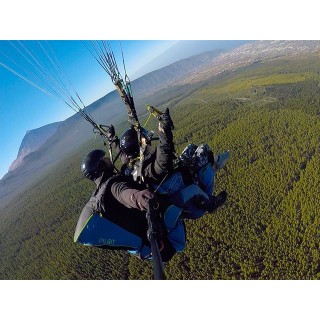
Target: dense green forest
x=268, y=116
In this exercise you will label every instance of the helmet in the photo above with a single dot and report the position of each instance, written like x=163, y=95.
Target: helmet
x=129, y=143
x=187, y=156
x=91, y=164
x=201, y=155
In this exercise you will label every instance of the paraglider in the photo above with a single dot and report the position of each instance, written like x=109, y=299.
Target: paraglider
x=192, y=174
x=140, y=207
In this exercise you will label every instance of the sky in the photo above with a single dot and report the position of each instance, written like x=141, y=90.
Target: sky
x=25, y=107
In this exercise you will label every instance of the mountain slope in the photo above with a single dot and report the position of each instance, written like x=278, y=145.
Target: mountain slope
x=185, y=49
x=251, y=53
x=173, y=73
x=32, y=141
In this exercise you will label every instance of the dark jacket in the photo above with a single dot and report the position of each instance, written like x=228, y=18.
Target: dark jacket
x=115, y=191
x=156, y=164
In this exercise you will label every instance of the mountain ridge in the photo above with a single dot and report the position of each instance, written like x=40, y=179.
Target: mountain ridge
x=32, y=141
x=185, y=49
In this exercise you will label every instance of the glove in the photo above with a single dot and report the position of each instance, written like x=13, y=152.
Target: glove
x=165, y=121
x=141, y=199
x=110, y=133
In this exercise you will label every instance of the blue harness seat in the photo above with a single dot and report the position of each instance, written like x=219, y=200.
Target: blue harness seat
x=120, y=228
x=129, y=232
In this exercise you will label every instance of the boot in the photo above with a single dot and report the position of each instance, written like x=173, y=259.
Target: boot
x=217, y=201
x=211, y=204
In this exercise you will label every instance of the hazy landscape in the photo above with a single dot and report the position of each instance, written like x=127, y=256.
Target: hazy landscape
x=260, y=100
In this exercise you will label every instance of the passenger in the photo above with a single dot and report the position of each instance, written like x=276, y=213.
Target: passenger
x=114, y=217
x=156, y=164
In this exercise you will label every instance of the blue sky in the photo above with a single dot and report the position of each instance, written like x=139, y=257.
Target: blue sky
x=24, y=107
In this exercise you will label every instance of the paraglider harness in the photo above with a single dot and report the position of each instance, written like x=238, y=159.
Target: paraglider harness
x=156, y=228
x=149, y=235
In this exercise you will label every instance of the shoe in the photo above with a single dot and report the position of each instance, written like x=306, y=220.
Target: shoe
x=217, y=201
x=211, y=204
x=221, y=159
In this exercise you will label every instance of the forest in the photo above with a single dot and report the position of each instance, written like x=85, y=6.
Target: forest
x=268, y=116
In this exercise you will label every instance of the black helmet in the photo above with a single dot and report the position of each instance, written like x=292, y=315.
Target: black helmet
x=202, y=155
x=92, y=164
x=187, y=156
x=129, y=143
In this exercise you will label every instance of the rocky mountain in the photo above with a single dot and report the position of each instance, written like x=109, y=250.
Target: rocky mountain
x=32, y=141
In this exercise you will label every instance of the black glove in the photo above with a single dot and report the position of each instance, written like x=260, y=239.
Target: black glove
x=165, y=121
x=110, y=133
x=141, y=199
